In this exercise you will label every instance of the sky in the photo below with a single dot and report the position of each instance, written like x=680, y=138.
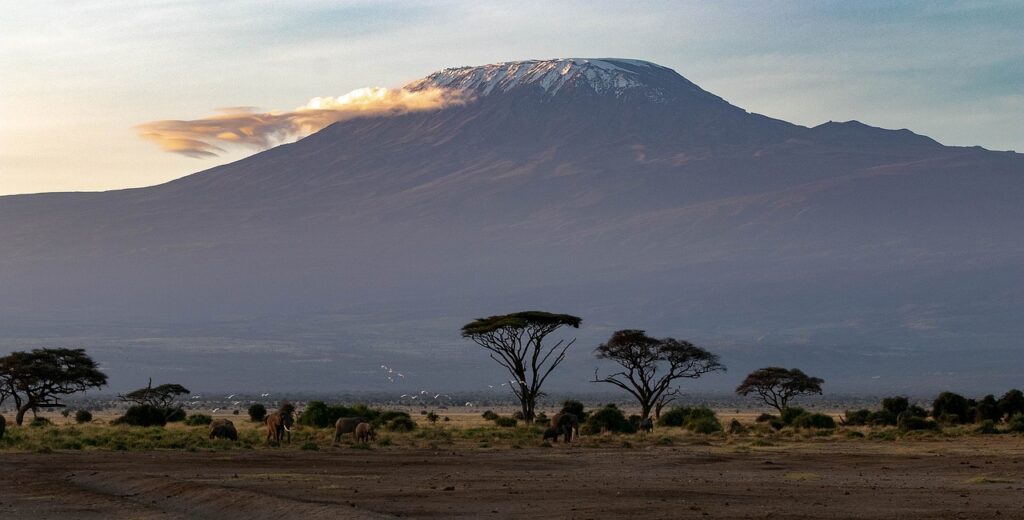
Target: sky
x=78, y=79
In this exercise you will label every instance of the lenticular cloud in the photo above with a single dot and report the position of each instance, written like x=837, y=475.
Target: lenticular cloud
x=244, y=126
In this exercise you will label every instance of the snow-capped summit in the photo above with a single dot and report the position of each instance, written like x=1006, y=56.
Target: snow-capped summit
x=602, y=76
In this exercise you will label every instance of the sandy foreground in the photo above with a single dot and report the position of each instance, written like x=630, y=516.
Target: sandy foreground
x=970, y=477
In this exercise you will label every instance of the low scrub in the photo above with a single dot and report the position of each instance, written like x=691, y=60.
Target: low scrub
x=198, y=420
x=699, y=419
x=607, y=419
x=818, y=421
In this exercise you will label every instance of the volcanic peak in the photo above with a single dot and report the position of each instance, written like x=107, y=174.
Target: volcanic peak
x=603, y=76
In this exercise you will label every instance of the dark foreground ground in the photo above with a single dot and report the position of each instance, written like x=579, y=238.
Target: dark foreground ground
x=980, y=477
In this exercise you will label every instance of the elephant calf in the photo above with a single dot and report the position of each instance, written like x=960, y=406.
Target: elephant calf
x=364, y=432
x=551, y=433
x=346, y=425
x=223, y=429
x=647, y=425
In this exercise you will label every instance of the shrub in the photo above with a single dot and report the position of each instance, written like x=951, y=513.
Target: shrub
x=705, y=425
x=143, y=415
x=736, y=427
x=684, y=416
x=857, y=418
x=83, y=416
x=175, y=414
x=882, y=418
x=1016, y=423
x=433, y=417
x=576, y=408
x=987, y=427
x=198, y=420
x=257, y=413
x=320, y=415
x=1012, y=403
x=401, y=424
x=765, y=417
x=609, y=418
x=541, y=418
x=489, y=415
x=39, y=422
x=386, y=417
x=915, y=423
x=815, y=420
x=505, y=422
x=988, y=410
x=518, y=415
x=790, y=414
x=895, y=405
x=952, y=408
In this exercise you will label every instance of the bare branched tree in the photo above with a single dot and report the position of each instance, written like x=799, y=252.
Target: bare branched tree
x=515, y=341
x=650, y=366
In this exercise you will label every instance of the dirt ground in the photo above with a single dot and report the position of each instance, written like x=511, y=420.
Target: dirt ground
x=973, y=477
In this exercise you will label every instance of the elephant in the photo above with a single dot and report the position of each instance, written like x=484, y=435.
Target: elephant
x=280, y=422
x=551, y=433
x=3, y=426
x=647, y=425
x=223, y=429
x=346, y=425
x=567, y=424
x=364, y=432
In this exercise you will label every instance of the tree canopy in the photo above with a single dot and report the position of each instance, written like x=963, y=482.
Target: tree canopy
x=160, y=397
x=777, y=386
x=650, y=365
x=515, y=341
x=35, y=378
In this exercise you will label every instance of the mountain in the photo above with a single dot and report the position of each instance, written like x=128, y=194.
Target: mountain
x=613, y=189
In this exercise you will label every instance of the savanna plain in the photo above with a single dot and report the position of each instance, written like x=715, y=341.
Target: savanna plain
x=463, y=466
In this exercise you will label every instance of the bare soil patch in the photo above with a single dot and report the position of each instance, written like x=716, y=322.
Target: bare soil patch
x=972, y=477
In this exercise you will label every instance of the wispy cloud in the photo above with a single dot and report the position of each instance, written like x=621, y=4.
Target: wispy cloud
x=244, y=126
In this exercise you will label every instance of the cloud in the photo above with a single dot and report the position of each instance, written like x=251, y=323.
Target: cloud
x=244, y=126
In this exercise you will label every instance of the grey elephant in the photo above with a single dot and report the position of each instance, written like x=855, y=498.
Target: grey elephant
x=3, y=426
x=566, y=424
x=223, y=429
x=551, y=433
x=647, y=425
x=364, y=432
x=280, y=422
x=346, y=425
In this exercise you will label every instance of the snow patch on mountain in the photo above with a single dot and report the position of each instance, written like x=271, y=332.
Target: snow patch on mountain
x=603, y=76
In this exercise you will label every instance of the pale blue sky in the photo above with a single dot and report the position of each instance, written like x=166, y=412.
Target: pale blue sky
x=76, y=77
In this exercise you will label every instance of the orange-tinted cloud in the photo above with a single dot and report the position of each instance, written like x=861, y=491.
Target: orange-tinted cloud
x=243, y=126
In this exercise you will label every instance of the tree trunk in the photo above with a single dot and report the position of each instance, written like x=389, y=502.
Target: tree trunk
x=645, y=411
x=20, y=417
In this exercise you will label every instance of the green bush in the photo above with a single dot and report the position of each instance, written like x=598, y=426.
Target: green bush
x=609, y=418
x=790, y=413
x=857, y=418
x=489, y=415
x=318, y=414
x=685, y=415
x=1016, y=423
x=882, y=418
x=952, y=408
x=815, y=420
x=1012, y=403
x=705, y=425
x=433, y=417
x=401, y=424
x=143, y=415
x=198, y=420
x=39, y=422
x=576, y=408
x=736, y=427
x=505, y=422
x=914, y=423
x=765, y=417
x=988, y=410
x=986, y=427
x=83, y=416
x=257, y=413
x=895, y=405
x=175, y=414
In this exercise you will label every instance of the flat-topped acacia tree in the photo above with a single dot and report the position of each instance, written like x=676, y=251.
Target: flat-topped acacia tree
x=651, y=365
x=777, y=386
x=516, y=342
x=35, y=378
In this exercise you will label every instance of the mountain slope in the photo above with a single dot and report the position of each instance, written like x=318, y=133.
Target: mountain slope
x=614, y=189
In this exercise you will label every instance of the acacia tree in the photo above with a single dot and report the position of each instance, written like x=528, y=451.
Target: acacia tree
x=776, y=385
x=34, y=378
x=516, y=342
x=160, y=397
x=650, y=365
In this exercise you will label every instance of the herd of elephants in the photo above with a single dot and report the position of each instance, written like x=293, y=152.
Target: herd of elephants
x=279, y=427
